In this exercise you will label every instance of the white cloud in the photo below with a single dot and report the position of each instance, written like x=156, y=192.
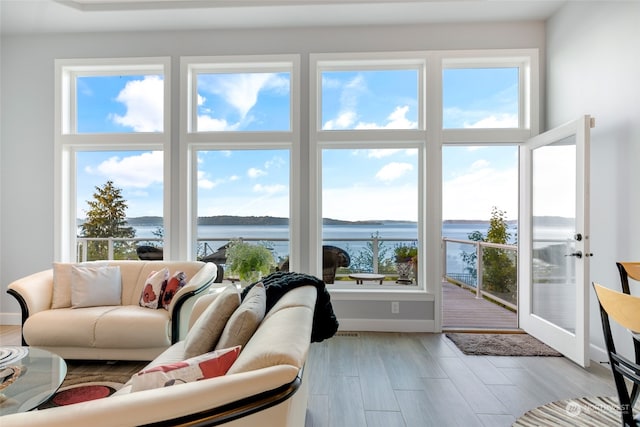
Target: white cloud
x=380, y=153
x=204, y=182
x=255, y=173
x=495, y=121
x=275, y=162
x=241, y=90
x=369, y=202
x=479, y=164
x=139, y=171
x=144, y=100
x=269, y=189
x=396, y=120
x=344, y=120
x=392, y=171
x=210, y=124
x=472, y=195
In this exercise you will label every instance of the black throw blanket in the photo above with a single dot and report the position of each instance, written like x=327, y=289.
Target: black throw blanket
x=325, y=323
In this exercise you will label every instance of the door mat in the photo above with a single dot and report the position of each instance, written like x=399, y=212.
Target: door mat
x=500, y=345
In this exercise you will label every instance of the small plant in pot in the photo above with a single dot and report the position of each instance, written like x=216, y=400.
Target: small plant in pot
x=250, y=262
x=406, y=259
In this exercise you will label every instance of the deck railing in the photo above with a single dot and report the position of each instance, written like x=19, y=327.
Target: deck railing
x=490, y=269
x=467, y=263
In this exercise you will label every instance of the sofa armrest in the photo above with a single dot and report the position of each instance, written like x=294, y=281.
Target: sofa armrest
x=199, y=283
x=205, y=400
x=33, y=292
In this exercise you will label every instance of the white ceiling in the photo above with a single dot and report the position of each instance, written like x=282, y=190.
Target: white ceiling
x=52, y=16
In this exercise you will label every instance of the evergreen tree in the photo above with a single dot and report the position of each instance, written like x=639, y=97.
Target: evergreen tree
x=106, y=217
x=499, y=270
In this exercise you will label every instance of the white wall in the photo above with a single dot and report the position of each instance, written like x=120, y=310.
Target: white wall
x=593, y=67
x=27, y=84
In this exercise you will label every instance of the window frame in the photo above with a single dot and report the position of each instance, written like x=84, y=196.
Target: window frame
x=526, y=60
x=429, y=138
x=192, y=141
x=67, y=141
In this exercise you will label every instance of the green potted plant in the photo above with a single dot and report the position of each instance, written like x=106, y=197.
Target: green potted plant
x=249, y=262
x=406, y=262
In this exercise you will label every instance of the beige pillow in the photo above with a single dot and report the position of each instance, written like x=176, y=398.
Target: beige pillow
x=245, y=320
x=62, y=282
x=95, y=286
x=61, y=285
x=205, y=333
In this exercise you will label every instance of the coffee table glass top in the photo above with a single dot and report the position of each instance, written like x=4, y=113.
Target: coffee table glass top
x=28, y=377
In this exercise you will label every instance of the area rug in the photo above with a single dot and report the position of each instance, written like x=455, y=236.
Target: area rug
x=583, y=412
x=92, y=380
x=500, y=345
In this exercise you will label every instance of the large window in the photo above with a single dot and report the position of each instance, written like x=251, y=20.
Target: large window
x=243, y=194
x=242, y=132
x=111, y=132
x=342, y=178
x=370, y=168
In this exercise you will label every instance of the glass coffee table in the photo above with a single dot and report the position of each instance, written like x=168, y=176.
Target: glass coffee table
x=29, y=376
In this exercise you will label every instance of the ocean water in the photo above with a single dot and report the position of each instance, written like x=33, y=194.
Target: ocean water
x=352, y=238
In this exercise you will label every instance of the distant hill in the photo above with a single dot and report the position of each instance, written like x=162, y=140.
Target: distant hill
x=156, y=221
x=242, y=220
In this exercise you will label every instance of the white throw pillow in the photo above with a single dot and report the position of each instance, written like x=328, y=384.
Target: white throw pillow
x=62, y=281
x=95, y=286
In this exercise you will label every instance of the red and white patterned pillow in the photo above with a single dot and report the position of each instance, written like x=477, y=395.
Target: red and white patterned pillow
x=213, y=364
x=175, y=283
x=153, y=288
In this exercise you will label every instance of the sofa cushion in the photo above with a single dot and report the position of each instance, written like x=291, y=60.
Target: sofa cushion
x=245, y=320
x=175, y=283
x=283, y=336
x=208, y=365
x=95, y=286
x=64, y=327
x=144, y=328
x=153, y=288
x=206, y=331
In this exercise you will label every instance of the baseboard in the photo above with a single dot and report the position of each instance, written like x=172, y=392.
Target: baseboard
x=598, y=354
x=10, y=319
x=387, y=325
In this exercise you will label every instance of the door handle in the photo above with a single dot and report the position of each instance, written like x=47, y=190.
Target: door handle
x=577, y=254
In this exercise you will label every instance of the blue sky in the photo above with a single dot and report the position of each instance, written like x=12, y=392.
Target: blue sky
x=247, y=182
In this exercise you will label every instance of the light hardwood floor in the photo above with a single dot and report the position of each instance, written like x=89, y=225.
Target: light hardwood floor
x=378, y=379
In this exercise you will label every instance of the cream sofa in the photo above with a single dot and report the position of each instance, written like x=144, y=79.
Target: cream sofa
x=111, y=332
x=263, y=387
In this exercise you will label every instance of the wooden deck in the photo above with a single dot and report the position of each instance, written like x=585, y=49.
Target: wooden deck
x=462, y=310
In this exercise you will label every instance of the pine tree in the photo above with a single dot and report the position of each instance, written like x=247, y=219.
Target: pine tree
x=106, y=217
x=499, y=269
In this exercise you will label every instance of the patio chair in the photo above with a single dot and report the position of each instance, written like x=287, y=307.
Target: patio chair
x=333, y=257
x=624, y=309
x=149, y=253
x=628, y=270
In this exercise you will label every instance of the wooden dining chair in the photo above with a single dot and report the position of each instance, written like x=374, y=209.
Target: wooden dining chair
x=628, y=270
x=624, y=309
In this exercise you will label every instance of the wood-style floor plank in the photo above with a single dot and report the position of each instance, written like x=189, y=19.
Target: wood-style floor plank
x=371, y=379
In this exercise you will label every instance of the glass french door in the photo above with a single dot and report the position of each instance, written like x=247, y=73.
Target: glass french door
x=554, y=239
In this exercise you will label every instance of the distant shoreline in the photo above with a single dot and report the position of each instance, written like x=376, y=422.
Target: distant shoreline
x=157, y=221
